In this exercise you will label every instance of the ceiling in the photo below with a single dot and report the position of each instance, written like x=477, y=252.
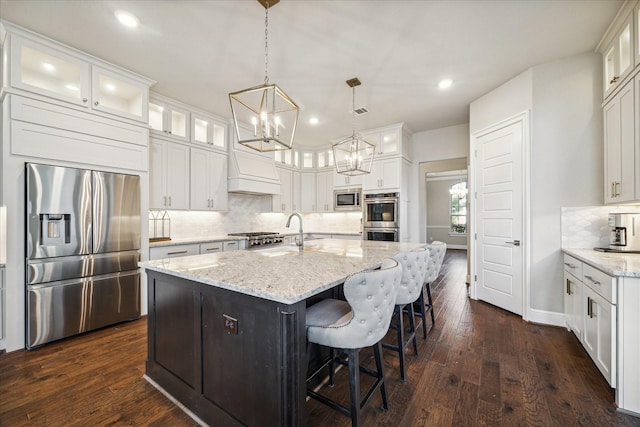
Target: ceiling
x=199, y=51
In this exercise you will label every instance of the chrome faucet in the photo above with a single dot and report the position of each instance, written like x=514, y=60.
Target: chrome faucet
x=299, y=240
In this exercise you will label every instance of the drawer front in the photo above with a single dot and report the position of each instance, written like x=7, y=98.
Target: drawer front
x=603, y=284
x=207, y=248
x=231, y=245
x=173, y=251
x=573, y=266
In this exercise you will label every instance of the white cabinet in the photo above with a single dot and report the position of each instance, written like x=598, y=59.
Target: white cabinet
x=168, y=175
x=284, y=201
x=207, y=130
x=599, y=336
x=385, y=175
x=324, y=158
x=208, y=180
x=296, y=191
x=619, y=56
x=211, y=247
x=169, y=119
x=346, y=181
x=159, y=252
x=308, y=192
x=573, y=304
x=620, y=146
x=324, y=191
x=390, y=140
x=55, y=71
x=590, y=311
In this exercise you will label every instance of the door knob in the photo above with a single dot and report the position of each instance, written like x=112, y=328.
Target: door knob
x=514, y=242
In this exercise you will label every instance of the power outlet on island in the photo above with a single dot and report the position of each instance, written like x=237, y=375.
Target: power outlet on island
x=230, y=324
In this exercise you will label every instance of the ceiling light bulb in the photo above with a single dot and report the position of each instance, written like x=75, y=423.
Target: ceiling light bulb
x=127, y=19
x=313, y=121
x=110, y=87
x=445, y=84
x=49, y=67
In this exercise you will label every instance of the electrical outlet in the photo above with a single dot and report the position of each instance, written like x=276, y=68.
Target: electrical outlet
x=230, y=324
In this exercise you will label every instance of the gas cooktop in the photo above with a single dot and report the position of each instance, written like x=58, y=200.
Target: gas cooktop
x=260, y=238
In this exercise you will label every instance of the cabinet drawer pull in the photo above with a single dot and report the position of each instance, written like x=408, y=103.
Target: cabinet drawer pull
x=590, y=302
x=569, y=265
x=213, y=249
x=568, y=287
x=176, y=253
x=614, y=80
x=595, y=282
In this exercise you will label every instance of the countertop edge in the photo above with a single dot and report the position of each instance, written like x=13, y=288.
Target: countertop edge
x=614, y=264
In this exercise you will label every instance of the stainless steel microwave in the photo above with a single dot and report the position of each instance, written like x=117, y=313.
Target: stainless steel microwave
x=347, y=200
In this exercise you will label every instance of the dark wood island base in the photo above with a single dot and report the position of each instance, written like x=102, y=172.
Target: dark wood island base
x=230, y=358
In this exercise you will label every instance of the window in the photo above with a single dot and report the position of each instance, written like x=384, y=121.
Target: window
x=458, y=223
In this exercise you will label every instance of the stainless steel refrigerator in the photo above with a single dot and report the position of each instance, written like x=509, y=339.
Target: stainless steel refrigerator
x=82, y=251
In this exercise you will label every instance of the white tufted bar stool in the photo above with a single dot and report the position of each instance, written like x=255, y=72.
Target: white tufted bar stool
x=437, y=251
x=414, y=269
x=349, y=326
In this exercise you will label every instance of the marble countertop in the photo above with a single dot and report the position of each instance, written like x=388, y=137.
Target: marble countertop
x=614, y=264
x=282, y=273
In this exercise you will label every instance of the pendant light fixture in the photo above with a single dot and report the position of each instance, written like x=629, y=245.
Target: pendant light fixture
x=264, y=117
x=353, y=155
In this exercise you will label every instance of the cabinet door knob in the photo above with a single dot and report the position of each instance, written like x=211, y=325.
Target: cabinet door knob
x=614, y=79
x=84, y=100
x=96, y=103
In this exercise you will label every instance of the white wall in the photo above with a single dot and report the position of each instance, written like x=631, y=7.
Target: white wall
x=566, y=155
x=438, y=144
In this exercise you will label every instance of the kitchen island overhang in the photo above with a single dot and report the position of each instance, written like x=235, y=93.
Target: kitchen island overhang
x=226, y=331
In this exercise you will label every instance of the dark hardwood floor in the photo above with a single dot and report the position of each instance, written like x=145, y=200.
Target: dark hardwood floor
x=479, y=366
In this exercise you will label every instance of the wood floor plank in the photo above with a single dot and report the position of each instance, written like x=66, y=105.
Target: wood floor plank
x=478, y=366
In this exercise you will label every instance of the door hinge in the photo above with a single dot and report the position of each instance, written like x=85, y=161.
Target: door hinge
x=475, y=236
x=475, y=278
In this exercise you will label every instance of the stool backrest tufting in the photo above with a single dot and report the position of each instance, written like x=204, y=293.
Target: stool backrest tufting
x=437, y=251
x=414, y=271
x=372, y=297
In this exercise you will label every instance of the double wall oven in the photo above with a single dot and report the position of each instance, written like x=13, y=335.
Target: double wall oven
x=380, y=217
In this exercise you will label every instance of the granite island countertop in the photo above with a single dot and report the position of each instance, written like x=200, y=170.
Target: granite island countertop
x=282, y=273
x=614, y=264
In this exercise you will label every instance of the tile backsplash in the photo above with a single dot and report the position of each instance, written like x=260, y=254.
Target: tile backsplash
x=586, y=227
x=252, y=213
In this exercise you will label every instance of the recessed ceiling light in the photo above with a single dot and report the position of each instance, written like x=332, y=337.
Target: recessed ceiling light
x=49, y=67
x=127, y=19
x=445, y=83
x=110, y=87
x=313, y=121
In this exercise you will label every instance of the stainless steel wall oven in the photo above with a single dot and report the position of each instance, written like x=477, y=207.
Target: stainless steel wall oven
x=380, y=217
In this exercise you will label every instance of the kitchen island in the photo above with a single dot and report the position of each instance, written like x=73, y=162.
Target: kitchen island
x=226, y=331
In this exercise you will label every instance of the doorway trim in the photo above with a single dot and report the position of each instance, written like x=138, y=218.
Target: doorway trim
x=524, y=119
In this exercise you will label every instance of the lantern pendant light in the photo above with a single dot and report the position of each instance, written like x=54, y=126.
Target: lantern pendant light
x=264, y=117
x=353, y=155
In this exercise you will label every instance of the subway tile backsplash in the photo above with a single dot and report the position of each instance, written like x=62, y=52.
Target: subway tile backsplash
x=252, y=213
x=586, y=227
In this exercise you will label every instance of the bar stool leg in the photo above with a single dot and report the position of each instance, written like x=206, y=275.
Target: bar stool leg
x=332, y=355
x=377, y=351
x=423, y=315
x=400, y=324
x=412, y=328
x=354, y=385
x=433, y=316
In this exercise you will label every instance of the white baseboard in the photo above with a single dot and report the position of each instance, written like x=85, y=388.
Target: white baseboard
x=544, y=317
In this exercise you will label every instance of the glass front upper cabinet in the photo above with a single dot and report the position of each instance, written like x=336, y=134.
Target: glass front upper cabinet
x=43, y=70
x=169, y=119
x=206, y=130
x=116, y=94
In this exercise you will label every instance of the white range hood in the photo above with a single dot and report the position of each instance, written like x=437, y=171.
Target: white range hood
x=252, y=173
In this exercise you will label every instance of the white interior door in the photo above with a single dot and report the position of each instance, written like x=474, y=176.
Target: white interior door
x=499, y=217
